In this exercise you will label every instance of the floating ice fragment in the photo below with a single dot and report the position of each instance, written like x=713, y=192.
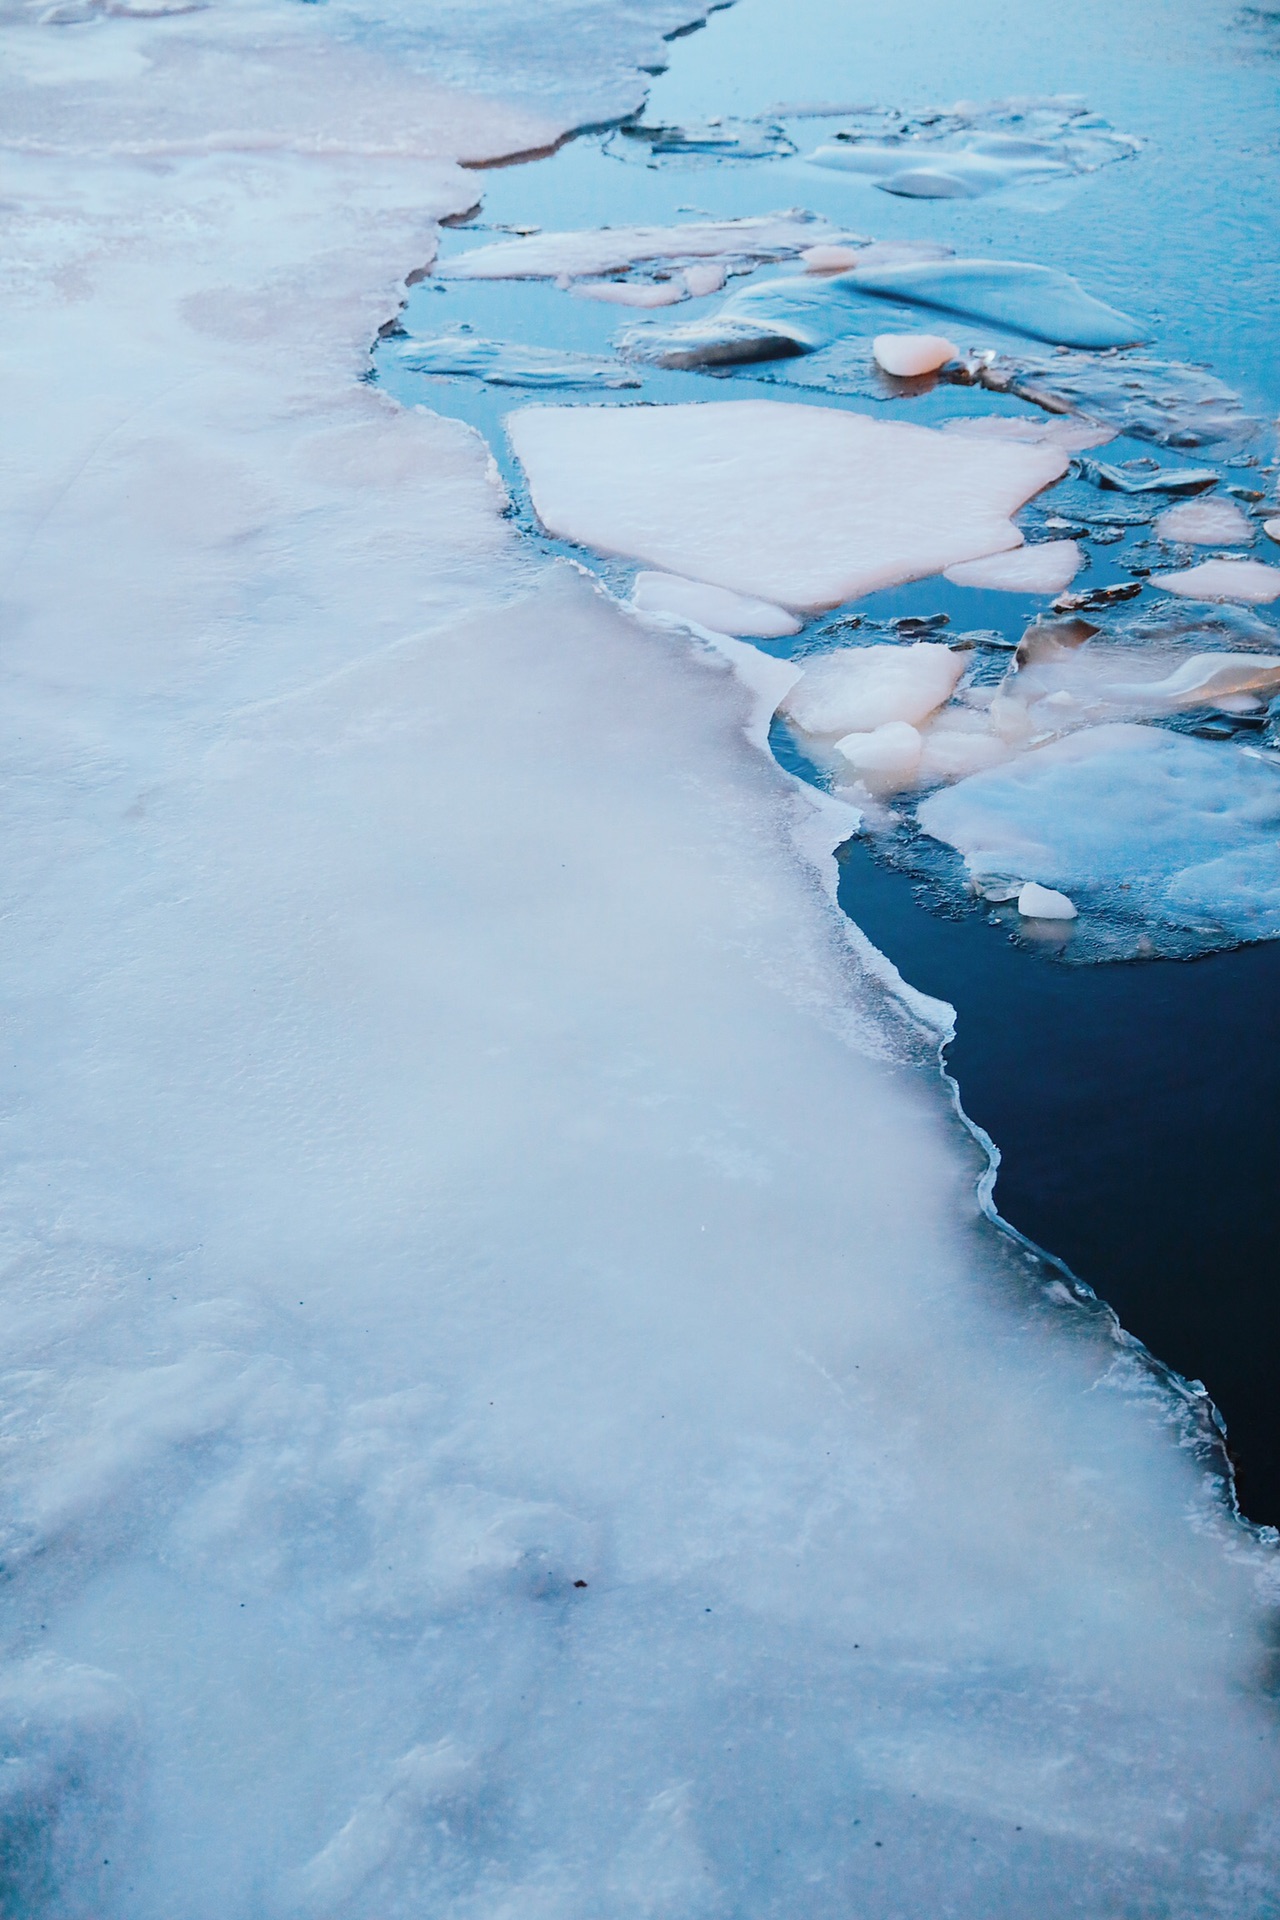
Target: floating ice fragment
x=507, y=365
x=632, y=293
x=1044, y=903
x=1157, y=400
x=884, y=760
x=1040, y=301
x=1247, y=580
x=961, y=154
x=1045, y=568
x=907, y=355
x=1205, y=523
x=1178, y=833
x=1148, y=479
x=1054, y=688
x=712, y=607
x=857, y=689
x=1272, y=529
x=958, y=742
x=803, y=506
x=544, y=256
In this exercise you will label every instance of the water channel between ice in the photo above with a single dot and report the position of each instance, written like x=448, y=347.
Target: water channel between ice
x=1135, y=1102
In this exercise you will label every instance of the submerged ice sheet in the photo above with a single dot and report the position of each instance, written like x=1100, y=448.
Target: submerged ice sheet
x=546, y=256
x=795, y=505
x=973, y=149
x=1161, y=401
x=505, y=364
x=803, y=314
x=1138, y=824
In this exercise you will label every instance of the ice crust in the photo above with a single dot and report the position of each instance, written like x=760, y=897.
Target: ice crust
x=796, y=505
x=456, y=1150
x=505, y=364
x=1146, y=824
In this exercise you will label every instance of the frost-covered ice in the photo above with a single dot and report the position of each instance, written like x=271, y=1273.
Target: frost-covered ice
x=907, y=355
x=974, y=149
x=714, y=608
x=455, y=1151
x=1251, y=581
x=796, y=505
x=1205, y=523
x=1136, y=822
x=1045, y=568
x=547, y=256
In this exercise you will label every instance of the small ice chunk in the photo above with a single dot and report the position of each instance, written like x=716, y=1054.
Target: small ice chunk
x=886, y=759
x=960, y=741
x=1040, y=301
x=1272, y=529
x=907, y=355
x=706, y=276
x=1045, y=568
x=712, y=607
x=544, y=256
x=1205, y=523
x=857, y=689
x=1045, y=903
x=1247, y=580
x=829, y=259
x=632, y=293
x=802, y=506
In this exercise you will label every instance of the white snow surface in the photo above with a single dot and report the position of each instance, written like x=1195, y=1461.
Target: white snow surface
x=801, y=505
x=854, y=689
x=455, y=1152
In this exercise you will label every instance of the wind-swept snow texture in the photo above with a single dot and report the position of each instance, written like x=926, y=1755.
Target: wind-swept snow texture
x=793, y=504
x=511, y=1407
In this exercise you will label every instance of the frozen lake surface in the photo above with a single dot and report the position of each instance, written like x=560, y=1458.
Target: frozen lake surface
x=513, y=1405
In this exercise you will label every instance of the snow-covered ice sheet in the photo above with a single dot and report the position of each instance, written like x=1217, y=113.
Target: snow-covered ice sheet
x=511, y=1406
x=791, y=504
x=1045, y=568
x=713, y=608
x=1139, y=823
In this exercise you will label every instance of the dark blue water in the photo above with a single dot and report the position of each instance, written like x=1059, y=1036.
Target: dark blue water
x=1136, y=1106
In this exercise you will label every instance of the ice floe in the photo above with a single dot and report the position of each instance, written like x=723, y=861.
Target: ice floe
x=598, y=250
x=1206, y=523
x=972, y=149
x=1043, y=568
x=716, y=139
x=803, y=506
x=1145, y=476
x=1248, y=580
x=506, y=364
x=857, y=689
x=714, y=608
x=1044, y=903
x=1135, y=823
x=885, y=759
x=1054, y=686
x=908, y=355
x=1073, y=436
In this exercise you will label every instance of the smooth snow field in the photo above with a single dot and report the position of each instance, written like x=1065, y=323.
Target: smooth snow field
x=517, y=1406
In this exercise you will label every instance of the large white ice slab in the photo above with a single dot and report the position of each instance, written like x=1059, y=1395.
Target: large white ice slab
x=800, y=505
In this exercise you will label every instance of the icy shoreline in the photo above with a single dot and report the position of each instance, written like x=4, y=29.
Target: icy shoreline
x=512, y=1405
